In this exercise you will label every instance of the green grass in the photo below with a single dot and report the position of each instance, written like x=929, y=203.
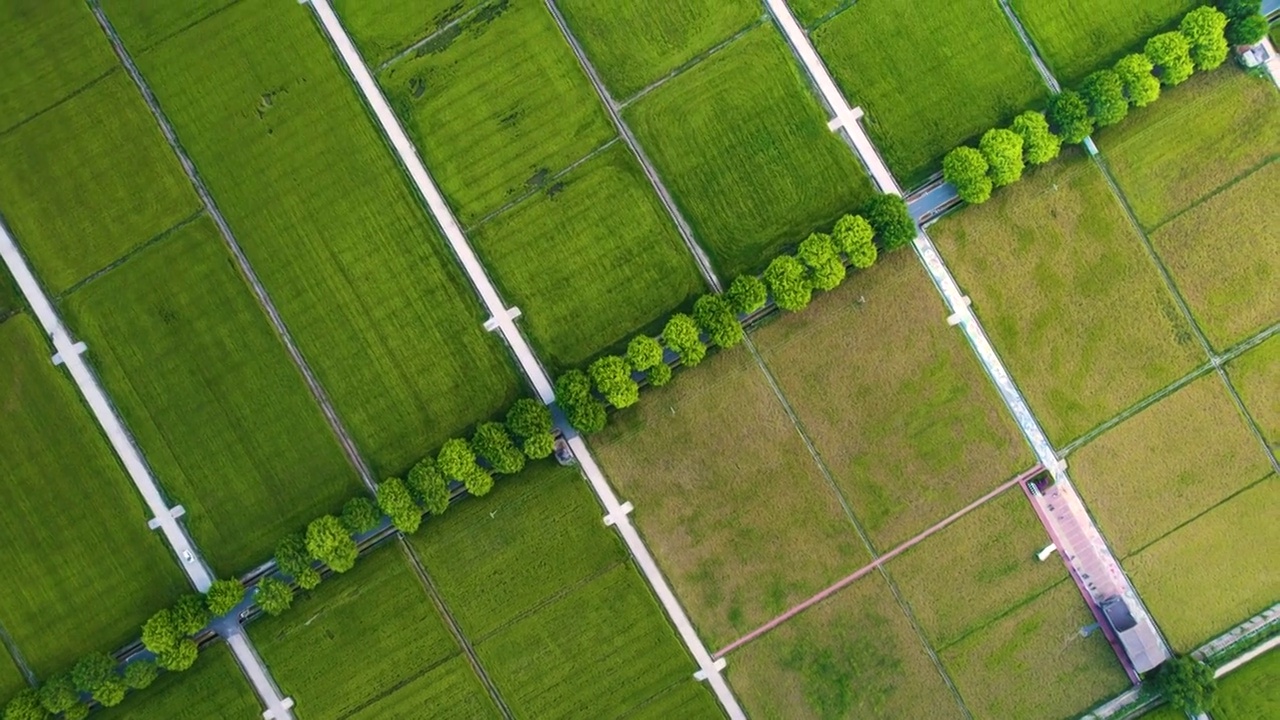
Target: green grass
x=855, y=655
x=145, y=24
x=591, y=261
x=1214, y=572
x=82, y=570
x=496, y=109
x=1032, y=663
x=634, y=43
x=448, y=690
x=52, y=48
x=972, y=572
x=894, y=400
x=1253, y=691
x=1076, y=38
x=10, y=298
x=809, y=12
x=689, y=699
x=1182, y=455
x=598, y=651
x=743, y=145
x=1256, y=376
x=1225, y=257
x=211, y=395
x=391, y=26
x=930, y=75
x=213, y=688
x=368, y=289
x=89, y=180
x=1196, y=139
x=1069, y=296
x=11, y=680
x=365, y=641
x=738, y=514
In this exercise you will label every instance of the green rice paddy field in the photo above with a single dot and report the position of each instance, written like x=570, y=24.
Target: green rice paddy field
x=213, y=688
x=83, y=571
x=930, y=75
x=395, y=25
x=1253, y=691
x=1076, y=38
x=742, y=144
x=1256, y=376
x=11, y=680
x=809, y=12
x=366, y=285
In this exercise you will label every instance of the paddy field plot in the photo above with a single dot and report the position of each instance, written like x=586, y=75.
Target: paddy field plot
x=11, y=680
x=83, y=571
x=213, y=688
x=719, y=475
x=10, y=299
x=393, y=26
x=90, y=179
x=212, y=397
x=742, y=144
x=688, y=700
x=853, y=655
x=809, y=12
x=1253, y=691
x=1256, y=377
x=1182, y=455
x=1033, y=663
x=894, y=400
x=1195, y=140
x=367, y=640
x=144, y=24
x=1076, y=38
x=634, y=43
x=367, y=287
x=448, y=690
x=52, y=49
x=497, y=108
x=930, y=75
x=560, y=619
x=1215, y=571
x=1070, y=298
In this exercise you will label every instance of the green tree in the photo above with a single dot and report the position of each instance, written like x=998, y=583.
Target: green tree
x=429, y=486
x=581, y=408
x=25, y=706
x=1239, y=8
x=1187, y=684
x=397, y=503
x=93, y=671
x=330, y=543
x=1205, y=29
x=160, y=632
x=681, y=335
x=111, y=693
x=643, y=352
x=58, y=694
x=717, y=319
x=1069, y=116
x=478, y=481
x=746, y=294
x=855, y=237
x=1003, y=152
x=360, y=515
x=660, y=375
x=1247, y=30
x=1104, y=92
x=1170, y=53
x=79, y=711
x=1140, y=86
x=223, y=596
x=293, y=560
x=889, y=215
x=492, y=442
x=818, y=253
x=180, y=658
x=788, y=283
x=456, y=458
x=190, y=614
x=966, y=169
x=139, y=674
x=530, y=420
x=273, y=596
x=541, y=446
x=1039, y=144
x=611, y=375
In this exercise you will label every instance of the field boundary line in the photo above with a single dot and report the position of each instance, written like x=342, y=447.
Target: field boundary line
x=60, y=101
x=553, y=598
x=1225, y=499
x=181, y=30
x=503, y=320
x=19, y=660
x=878, y=561
x=691, y=63
x=250, y=276
x=1005, y=611
x=1224, y=187
x=664, y=195
x=129, y=255
x=546, y=186
x=829, y=16
x=1093, y=433
x=414, y=46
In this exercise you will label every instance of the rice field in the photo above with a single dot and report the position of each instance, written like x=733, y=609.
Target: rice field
x=87, y=181
x=447, y=690
x=894, y=400
x=1213, y=572
x=11, y=680
x=213, y=688
x=809, y=12
x=1256, y=377
x=82, y=570
x=144, y=25
x=498, y=107
x=395, y=25
x=742, y=144
x=1253, y=691
x=366, y=286
x=854, y=655
x=930, y=75
x=721, y=476
x=1069, y=296
x=634, y=43
x=1189, y=451
x=1076, y=38
x=211, y=396
x=687, y=700
x=10, y=299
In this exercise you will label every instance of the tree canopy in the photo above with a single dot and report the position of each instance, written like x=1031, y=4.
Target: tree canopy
x=1205, y=28
x=788, y=283
x=1247, y=30
x=293, y=560
x=181, y=657
x=58, y=694
x=1187, y=684
x=330, y=543
x=429, y=486
x=818, y=252
x=682, y=336
x=746, y=294
x=889, y=215
x=583, y=410
x=660, y=375
x=1104, y=92
x=966, y=169
x=611, y=375
x=1069, y=114
x=1039, y=144
x=360, y=515
x=93, y=671
x=139, y=674
x=25, y=706
x=643, y=352
x=1140, y=86
x=273, y=596
x=396, y=502
x=492, y=442
x=855, y=237
x=1170, y=53
x=713, y=314
x=223, y=596
x=1003, y=151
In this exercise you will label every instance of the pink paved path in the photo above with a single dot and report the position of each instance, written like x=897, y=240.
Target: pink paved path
x=845, y=581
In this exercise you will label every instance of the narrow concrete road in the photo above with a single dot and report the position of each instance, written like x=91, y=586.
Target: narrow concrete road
x=503, y=320
x=255, y=669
